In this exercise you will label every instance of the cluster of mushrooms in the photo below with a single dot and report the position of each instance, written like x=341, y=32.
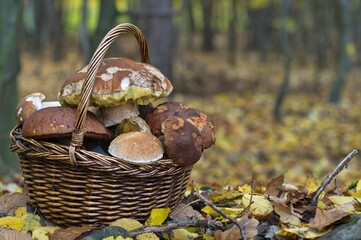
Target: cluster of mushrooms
x=121, y=120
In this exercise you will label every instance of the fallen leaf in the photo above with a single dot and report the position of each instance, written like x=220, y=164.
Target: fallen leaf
x=31, y=221
x=261, y=207
x=71, y=233
x=324, y=218
x=302, y=231
x=157, y=216
x=8, y=234
x=131, y=224
x=184, y=211
x=110, y=231
x=230, y=234
x=182, y=234
x=286, y=217
x=43, y=233
x=274, y=186
x=11, y=201
x=12, y=222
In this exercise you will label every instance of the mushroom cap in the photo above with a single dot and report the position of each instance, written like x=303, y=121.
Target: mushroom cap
x=118, y=80
x=132, y=124
x=194, y=116
x=182, y=141
x=28, y=105
x=136, y=148
x=58, y=122
x=160, y=113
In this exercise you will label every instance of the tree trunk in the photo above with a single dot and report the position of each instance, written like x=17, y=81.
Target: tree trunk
x=285, y=6
x=155, y=18
x=207, y=9
x=57, y=30
x=10, y=18
x=106, y=21
x=344, y=61
x=232, y=34
x=84, y=34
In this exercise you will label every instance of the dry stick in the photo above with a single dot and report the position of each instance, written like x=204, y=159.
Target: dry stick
x=223, y=214
x=175, y=225
x=330, y=176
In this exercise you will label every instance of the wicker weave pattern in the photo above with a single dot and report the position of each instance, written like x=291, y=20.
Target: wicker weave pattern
x=70, y=185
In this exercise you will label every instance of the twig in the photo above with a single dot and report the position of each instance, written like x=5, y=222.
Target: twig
x=330, y=176
x=223, y=214
x=211, y=224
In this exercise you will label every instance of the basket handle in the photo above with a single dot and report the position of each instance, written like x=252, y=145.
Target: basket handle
x=78, y=132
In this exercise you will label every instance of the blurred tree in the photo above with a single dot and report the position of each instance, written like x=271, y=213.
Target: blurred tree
x=155, y=20
x=57, y=29
x=259, y=30
x=345, y=46
x=10, y=17
x=232, y=34
x=84, y=34
x=208, y=33
x=106, y=20
x=287, y=57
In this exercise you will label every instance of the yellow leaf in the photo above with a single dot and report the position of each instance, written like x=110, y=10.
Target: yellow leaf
x=311, y=184
x=246, y=188
x=356, y=194
x=127, y=223
x=20, y=212
x=285, y=215
x=261, y=206
x=157, y=216
x=339, y=200
x=131, y=224
x=233, y=212
x=31, y=221
x=42, y=233
x=304, y=232
x=182, y=234
x=12, y=222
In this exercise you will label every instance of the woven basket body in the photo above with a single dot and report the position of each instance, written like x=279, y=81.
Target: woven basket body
x=70, y=185
x=100, y=189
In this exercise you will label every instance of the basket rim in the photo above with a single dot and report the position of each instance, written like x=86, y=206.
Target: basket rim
x=88, y=160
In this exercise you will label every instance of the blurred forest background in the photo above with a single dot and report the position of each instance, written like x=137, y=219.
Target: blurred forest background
x=279, y=78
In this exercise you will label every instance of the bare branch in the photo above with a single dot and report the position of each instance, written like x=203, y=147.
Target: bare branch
x=331, y=176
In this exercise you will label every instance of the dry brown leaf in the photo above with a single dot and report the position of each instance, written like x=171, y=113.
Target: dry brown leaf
x=230, y=234
x=286, y=216
x=11, y=201
x=6, y=234
x=274, y=186
x=184, y=211
x=324, y=218
x=71, y=233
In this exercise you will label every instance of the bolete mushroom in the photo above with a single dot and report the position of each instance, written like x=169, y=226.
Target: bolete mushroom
x=194, y=116
x=31, y=103
x=132, y=124
x=182, y=141
x=119, y=81
x=59, y=122
x=136, y=148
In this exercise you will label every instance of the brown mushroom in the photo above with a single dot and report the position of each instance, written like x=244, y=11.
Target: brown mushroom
x=59, y=122
x=182, y=141
x=194, y=116
x=136, y=148
x=31, y=103
x=118, y=81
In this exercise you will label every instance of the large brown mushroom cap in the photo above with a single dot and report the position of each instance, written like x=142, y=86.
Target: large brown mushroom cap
x=160, y=113
x=59, y=122
x=118, y=80
x=194, y=116
x=182, y=141
x=137, y=148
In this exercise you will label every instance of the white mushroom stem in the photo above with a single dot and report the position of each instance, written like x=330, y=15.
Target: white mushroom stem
x=111, y=116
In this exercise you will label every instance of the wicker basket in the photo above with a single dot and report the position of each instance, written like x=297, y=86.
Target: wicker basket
x=70, y=185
